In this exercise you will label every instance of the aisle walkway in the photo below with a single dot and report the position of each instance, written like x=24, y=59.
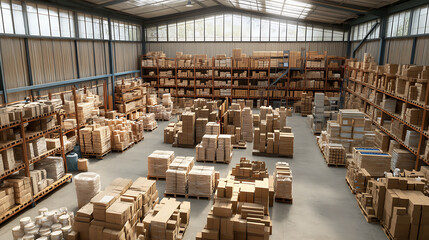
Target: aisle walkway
x=323, y=207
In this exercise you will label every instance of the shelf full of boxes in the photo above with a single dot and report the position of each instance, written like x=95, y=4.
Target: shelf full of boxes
x=29, y=167
x=240, y=76
x=395, y=98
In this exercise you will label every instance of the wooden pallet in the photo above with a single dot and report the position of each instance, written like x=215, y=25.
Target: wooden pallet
x=10, y=125
x=150, y=129
x=175, y=195
x=44, y=155
x=8, y=144
x=207, y=161
x=53, y=186
x=386, y=231
x=239, y=146
x=368, y=218
x=336, y=165
x=350, y=186
x=155, y=178
x=124, y=149
x=14, y=210
x=184, y=145
x=10, y=171
x=199, y=197
x=139, y=140
x=99, y=156
x=33, y=135
x=257, y=153
x=284, y=200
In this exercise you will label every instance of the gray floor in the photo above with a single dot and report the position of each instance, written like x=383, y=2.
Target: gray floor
x=323, y=206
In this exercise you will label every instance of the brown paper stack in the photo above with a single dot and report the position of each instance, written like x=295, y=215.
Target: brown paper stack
x=158, y=163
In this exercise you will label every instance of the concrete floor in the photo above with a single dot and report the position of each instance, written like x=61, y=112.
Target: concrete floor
x=323, y=207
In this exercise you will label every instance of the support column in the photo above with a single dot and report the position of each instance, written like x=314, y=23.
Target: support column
x=112, y=71
x=382, y=47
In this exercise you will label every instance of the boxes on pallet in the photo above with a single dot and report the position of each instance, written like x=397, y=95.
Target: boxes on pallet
x=283, y=181
x=115, y=212
x=334, y=154
x=158, y=163
x=177, y=175
x=201, y=181
x=247, y=125
x=95, y=139
x=165, y=221
x=186, y=136
x=375, y=163
x=250, y=170
x=21, y=188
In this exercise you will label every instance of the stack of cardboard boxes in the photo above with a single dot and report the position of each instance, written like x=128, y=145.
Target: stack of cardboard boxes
x=7, y=198
x=306, y=104
x=250, y=170
x=149, y=122
x=95, y=140
x=283, y=181
x=158, y=163
x=334, y=154
x=201, y=181
x=176, y=181
x=168, y=220
x=21, y=188
x=271, y=136
x=215, y=148
x=399, y=204
x=186, y=136
x=189, y=130
x=115, y=212
x=121, y=133
x=247, y=130
x=240, y=211
x=351, y=129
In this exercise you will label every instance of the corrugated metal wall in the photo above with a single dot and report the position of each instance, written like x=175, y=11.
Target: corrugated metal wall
x=54, y=60
x=14, y=65
x=422, y=51
x=398, y=51
x=211, y=49
x=126, y=56
x=371, y=46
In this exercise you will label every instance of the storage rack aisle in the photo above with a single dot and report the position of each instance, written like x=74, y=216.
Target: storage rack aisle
x=26, y=163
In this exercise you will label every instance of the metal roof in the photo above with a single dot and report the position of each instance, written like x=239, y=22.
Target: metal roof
x=331, y=11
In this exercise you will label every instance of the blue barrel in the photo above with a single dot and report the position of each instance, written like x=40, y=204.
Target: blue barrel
x=72, y=161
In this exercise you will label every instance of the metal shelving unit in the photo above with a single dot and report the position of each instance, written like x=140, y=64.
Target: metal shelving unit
x=422, y=129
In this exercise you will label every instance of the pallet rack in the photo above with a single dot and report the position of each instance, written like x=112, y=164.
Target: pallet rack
x=379, y=87
x=251, y=82
x=26, y=162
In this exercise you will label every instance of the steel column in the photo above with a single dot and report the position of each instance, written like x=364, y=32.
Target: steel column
x=382, y=47
x=413, y=50
x=112, y=71
x=349, y=43
x=3, y=82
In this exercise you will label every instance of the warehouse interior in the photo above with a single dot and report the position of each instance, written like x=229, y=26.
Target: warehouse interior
x=214, y=119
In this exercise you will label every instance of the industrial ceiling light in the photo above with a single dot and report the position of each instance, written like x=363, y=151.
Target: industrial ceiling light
x=189, y=4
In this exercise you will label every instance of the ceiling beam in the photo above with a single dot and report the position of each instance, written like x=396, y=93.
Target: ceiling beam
x=106, y=4
x=340, y=6
x=89, y=8
x=387, y=10
x=222, y=9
